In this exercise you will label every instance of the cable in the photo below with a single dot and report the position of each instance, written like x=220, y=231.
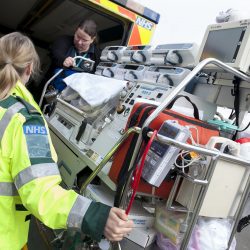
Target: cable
x=197, y=142
x=244, y=128
x=232, y=115
x=195, y=158
x=185, y=162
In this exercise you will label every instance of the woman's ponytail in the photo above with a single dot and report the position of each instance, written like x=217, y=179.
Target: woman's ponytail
x=17, y=52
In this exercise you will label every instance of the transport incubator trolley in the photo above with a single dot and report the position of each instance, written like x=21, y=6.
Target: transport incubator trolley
x=164, y=94
x=215, y=157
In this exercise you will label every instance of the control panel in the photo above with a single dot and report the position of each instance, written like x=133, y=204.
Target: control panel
x=144, y=90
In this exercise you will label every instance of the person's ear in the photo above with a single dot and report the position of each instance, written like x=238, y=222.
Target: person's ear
x=28, y=70
x=26, y=74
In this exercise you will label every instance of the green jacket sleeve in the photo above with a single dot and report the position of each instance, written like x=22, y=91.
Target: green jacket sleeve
x=95, y=220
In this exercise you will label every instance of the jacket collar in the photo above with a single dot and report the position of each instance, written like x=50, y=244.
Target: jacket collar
x=21, y=91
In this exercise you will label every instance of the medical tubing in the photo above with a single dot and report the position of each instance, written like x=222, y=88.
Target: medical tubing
x=138, y=171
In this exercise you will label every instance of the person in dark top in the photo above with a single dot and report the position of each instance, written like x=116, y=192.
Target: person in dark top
x=65, y=48
x=81, y=44
x=62, y=51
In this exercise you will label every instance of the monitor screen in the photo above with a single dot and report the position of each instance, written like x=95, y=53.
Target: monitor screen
x=223, y=44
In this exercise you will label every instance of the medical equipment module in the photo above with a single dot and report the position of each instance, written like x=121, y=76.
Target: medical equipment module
x=112, y=53
x=137, y=54
x=161, y=157
x=179, y=54
x=162, y=74
x=129, y=72
x=106, y=69
x=228, y=42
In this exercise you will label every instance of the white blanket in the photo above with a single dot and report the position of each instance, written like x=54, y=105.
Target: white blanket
x=94, y=89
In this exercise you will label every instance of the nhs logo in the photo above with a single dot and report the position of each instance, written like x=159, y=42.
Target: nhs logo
x=143, y=23
x=33, y=129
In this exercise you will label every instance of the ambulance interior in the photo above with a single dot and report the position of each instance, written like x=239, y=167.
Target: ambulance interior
x=86, y=137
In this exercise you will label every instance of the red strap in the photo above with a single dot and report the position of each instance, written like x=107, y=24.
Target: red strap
x=138, y=172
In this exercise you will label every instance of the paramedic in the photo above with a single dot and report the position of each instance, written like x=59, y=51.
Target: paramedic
x=29, y=176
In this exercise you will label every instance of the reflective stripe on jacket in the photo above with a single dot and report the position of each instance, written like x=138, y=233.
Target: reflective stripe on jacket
x=29, y=177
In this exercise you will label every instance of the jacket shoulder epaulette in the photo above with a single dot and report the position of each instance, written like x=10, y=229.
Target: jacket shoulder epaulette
x=31, y=110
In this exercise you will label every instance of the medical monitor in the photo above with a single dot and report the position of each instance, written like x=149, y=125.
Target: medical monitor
x=228, y=42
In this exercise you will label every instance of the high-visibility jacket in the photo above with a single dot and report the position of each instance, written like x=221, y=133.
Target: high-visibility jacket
x=29, y=177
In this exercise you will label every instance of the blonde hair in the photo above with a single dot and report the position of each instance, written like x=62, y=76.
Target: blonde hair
x=16, y=53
